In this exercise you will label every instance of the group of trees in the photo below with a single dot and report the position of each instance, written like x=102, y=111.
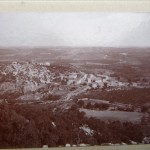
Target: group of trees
x=132, y=96
x=89, y=105
x=35, y=125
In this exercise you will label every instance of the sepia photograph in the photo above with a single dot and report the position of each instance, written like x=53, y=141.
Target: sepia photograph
x=75, y=79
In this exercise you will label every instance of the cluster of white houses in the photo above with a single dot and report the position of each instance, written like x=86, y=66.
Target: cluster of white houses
x=95, y=81
x=32, y=75
x=99, y=80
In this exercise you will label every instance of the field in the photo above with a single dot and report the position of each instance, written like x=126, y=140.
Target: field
x=125, y=147
x=114, y=115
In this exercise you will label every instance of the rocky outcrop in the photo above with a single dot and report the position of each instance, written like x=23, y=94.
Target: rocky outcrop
x=25, y=78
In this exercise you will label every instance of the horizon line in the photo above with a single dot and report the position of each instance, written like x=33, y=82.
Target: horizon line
x=5, y=47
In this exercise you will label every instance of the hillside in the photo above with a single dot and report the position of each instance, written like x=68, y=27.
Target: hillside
x=56, y=96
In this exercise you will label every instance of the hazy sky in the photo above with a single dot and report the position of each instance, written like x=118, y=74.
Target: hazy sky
x=75, y=29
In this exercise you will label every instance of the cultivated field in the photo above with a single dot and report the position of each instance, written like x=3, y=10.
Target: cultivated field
x=125, y=147
x=114, y=115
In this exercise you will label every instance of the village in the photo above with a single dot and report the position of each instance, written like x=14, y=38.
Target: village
x=43, y=81
x=71, y=90
x=28, y=77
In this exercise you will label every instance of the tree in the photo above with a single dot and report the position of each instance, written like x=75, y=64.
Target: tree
x=81, y=103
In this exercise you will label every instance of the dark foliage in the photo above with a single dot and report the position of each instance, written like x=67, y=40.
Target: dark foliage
x=131, y=96
x=36, y=125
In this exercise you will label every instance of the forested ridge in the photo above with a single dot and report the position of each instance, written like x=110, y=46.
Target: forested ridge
x=35, y=125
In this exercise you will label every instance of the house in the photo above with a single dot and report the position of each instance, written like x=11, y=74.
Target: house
x=47, y=63
x=94, y=85
x=146, y=140
x=133, y=142
x=67, y=145
x=72, y=75
x=89, y=80
x=85, y=77
x=81, y=81
x=70, y=82
x=82, y=145
x=45, y=146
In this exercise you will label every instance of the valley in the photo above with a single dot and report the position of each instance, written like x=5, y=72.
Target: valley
x=84, y=86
